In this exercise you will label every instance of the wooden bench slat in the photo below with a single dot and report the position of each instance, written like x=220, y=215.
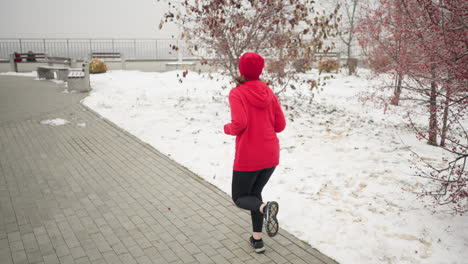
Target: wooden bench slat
x=109, y=56
x=53, y=67
x=106, y=55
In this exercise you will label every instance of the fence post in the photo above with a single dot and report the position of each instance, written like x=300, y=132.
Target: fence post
x=43, y=43
x=68, y=49
x=13, y=65
x=21, y=46
x=179, y=51
x=134, y=49
x=113, y=50
x=156, y=49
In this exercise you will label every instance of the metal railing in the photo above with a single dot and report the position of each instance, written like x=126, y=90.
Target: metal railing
x=132, y=49
x=138, y=49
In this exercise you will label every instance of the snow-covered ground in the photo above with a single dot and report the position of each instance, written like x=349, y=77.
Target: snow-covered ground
x=24, y=74
x=344, y=184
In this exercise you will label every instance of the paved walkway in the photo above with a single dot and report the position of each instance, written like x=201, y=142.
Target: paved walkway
x=88, y=192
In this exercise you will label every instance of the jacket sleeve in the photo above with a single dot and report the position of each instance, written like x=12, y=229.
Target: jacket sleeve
x=238, y=116
x=280, y=122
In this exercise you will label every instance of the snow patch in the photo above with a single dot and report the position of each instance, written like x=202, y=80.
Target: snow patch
x=55, y=122
x=57, y=81
x=67, y=91
x=23, y=74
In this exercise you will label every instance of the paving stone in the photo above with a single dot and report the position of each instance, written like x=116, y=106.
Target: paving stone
x=14, y=236
x=39, y=231
x=277, y=258
x=19, y=257
x=51, y=259
x=30, y=242
x=62, y=250
x=34, y=257
x=169, y=255
x=98, y=261
x=24, y=229
x=111, y=257
x=203, y=258
x=103, y=247
x=68, y=259
x=77, y=252
x=119, y=248
x=83, y=260
x=208, y=250
x=186, y=257
x=226, y=253
x=136, y=251
x=127, y=258
x=192, y=248
x=46, y=247
x=93, y=254
x=16, y=245
x=219, y=259
x=143, y=260
x=151, y=252
x=297, y=260
x=5, y=255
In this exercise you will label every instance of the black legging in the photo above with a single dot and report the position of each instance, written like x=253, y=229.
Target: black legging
x=247, y=189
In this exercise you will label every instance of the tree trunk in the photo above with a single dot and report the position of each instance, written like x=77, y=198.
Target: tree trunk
x=351, y=68
x=445, y=126
x=433, y=115
x=397, y=91
x=349, y=57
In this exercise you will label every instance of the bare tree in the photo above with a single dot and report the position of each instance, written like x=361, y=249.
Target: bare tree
x=276, y=29
x=350, y=9
x=430, y=61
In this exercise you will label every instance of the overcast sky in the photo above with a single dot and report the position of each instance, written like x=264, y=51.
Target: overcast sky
x=82, y=19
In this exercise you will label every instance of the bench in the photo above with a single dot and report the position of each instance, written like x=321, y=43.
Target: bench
x=59, y=65
x=78, y=78
x=109, y=56
x=184, y=65
x=17, y=57
x=321, y=55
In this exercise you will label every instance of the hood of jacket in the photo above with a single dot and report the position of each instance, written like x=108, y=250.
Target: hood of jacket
x=257, y=93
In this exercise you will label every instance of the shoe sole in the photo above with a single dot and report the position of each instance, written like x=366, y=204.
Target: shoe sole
x=272, y=224
x=260, y=250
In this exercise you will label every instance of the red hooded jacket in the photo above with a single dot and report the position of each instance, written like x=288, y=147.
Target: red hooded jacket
x=256, y=118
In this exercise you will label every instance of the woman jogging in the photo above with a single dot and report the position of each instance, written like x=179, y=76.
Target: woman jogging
x=256, y=118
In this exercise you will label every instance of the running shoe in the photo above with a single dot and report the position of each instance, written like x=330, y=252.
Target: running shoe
x=271, y=222
x=257, y=245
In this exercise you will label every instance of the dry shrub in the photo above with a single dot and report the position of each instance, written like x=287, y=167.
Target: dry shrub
x=328, y=65
x=301, y=65
x=276, y=66
x=97, y=66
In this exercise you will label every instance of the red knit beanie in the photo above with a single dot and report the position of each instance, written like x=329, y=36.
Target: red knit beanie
x=251, y=65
